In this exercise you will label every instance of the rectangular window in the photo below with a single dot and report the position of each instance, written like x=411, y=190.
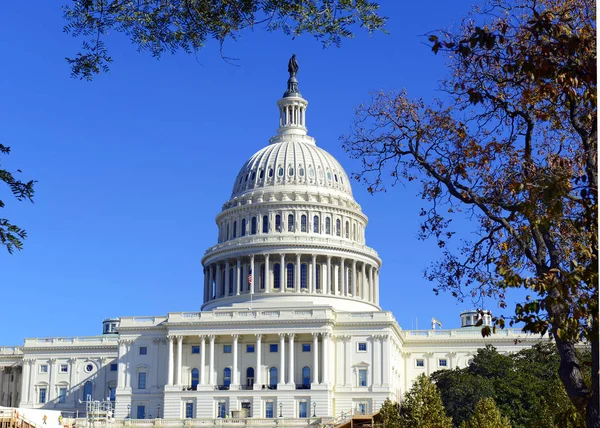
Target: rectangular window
x=420, y=362
x=64, y=368
x=306, y=347
x=221, y=410
x=273, y=347
x=42, y=396
x=143, y=350
x=142, y=380
x=114, y=367
x=443, y=362
x=250, y=349
x=362, y=346
x=362, y=377
x=227, y=349
x=362, y=408
x=141, y=412
x=269, y=409
x=195, y=349
x=278, y=223
x=189, y=410
x=43, y=368
x=62, y=395
x=303, y=409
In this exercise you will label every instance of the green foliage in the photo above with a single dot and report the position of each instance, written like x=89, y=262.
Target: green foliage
x=389, y=414
x=525, y=387
x=487, y=415
x=422, y=407
x=171, y=25
x=11, y=235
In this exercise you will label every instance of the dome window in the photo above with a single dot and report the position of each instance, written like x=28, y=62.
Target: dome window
x=316, y=224
x=347, y=230
x=291, y=223
x=320, y=173
x=262, y=174
x=254, y=175
x=270, y=172
x=280, y=171
x=246, y=177
x=311, y=172
x=301, y=172
x=241, y=178
x=235, y=229
x=338, y=226
x=265, y=225
x=253, y=226
x=278, y=223
x=328, y=176
x=291, y=172
x=303, y=227
x=328, y=226
x=335, y=176
x=243, y=227
x=341, y=179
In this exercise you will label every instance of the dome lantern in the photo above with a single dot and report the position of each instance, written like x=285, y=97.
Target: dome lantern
x=292, y=107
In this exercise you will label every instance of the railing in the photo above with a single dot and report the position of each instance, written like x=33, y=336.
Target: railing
x=303, y=386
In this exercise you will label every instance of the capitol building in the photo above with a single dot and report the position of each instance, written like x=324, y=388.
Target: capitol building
x=290, y=326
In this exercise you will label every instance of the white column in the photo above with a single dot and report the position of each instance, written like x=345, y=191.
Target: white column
x=235, y=359
x=51, y=369
x=267, y=274
x=385, y=359
x=376, y=287
x=170, y=366
x=363, y=286
x=327, y=279
x=343, y=285
x=297, y=275
x=238, y=277
x=313, y=275
x=254, y=276
x=292, y=371
x=348, y=361
x=375, y=341
x=315, y=349
x=371, y=284
x=325, y=376
x=211, y=360
x=282, y=358
x=202, y=359
x=258, y=371
x=354, y=278
x=227, y=278
x=210, y=282
x=72, y=381
x=179, y=358
x=24, y=381
x=282, y=274
x=121, y=367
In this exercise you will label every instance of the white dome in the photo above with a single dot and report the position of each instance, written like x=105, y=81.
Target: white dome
x=292, y=161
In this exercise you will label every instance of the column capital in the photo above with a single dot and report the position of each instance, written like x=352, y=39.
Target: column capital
x=258, y=337
x=326, y=335
x=282, y=336
x=179, y=338
x=291, y=335
x=266, y=257
x=211, y=337
x=202, y=337
x=235, y=336
x=315, y=335
x=52, y=360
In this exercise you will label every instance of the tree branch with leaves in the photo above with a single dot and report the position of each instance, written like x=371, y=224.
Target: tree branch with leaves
x=513, y=146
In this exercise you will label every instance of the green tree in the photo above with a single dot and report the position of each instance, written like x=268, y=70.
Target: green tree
x=171, y=25
x=513, y=146
x=389, y=414
x=11, y=235
x=487, y=415
x=525, y=387
x=422, y=406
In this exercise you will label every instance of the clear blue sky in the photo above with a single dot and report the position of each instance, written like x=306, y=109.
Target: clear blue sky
x=133, y=167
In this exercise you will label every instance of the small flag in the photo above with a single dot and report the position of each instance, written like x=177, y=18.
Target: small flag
x=250, y=279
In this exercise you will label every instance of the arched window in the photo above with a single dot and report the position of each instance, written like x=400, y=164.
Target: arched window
x=276, y=275
x=227, y=376
x=316, y=224
x=303, y=274
x=265, y=225
x=328, y=226
x=270, y=172
x=244, y=227
x=195, y=378
x=338, y=226
x=227, y=237
x=318, y=271
x=278, y=223
x=347, y=231
x=291, y=172
x=253, y=226
x=250, y=376
x=290, y=275
x=235, y=229
x=262, y=277
x=87, y=391
x=262, y=174
x=306, y=376
x=273, y=377
x=290, y=222
x=280, y=171
x=303, y=227
x=231, y=276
